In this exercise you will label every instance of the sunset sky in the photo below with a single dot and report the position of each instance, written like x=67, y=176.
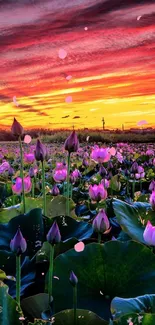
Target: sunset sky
x=110, y=56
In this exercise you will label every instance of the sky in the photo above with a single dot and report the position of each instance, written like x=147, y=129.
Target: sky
x=65, y=63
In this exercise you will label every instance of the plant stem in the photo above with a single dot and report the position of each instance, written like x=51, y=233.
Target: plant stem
x=43, y=188
x=18, y=279
x=33, y=187
x=133, y=189
x=68, y=183
x=22, y=174
x=50, y=272
x=140, y=185
x=99, y=237
x=75, y=304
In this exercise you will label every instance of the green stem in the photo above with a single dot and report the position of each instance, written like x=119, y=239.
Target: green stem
x=18, y=279
x=43, y=188
x=75, y=304
x=68, y=183
x=140, y=185
x=50, y=272
x=133, y=189
x=13, y=196
x=127, y=187
x=33, y=187
x=99, y=237
x=22, y=174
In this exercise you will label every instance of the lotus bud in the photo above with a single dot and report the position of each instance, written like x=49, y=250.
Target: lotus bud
x=17, y=129
x=18, y=244
x=73, y=279
x=101, y=222
x=102, y=171
x=40, y=152
x=54, y=236
x=72, y=143
x=152, y=200
x=55, y=191
x=134, y=168
x=11, y=172
x=152, y=186
x=149, y=234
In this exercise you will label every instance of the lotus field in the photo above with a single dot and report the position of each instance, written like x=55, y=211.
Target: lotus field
x=77, y=232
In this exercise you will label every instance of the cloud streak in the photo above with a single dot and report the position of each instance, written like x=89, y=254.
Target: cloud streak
x=111, y=61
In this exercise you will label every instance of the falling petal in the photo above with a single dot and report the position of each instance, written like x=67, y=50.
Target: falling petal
x=86, y=28
x=68, y=99
x=79, y=247
x=68, y=77
x=15, y=101
x=62, y=54
x=139, y=17
x=56, y=277
x=27, y=139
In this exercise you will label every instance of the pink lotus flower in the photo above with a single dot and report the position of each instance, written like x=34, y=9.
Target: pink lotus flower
x=4, y=167
x=17, y=187
x=60, y=175
x=149, y=234
x=76, y=174
x=152, y=200
x=141, y=173
x=29, y=158
x=152, y=186
x=101, y=222
x=97, y=192
x=100, y=155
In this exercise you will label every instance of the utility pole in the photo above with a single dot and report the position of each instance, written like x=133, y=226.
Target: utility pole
x=103, y=121
x=122, y=127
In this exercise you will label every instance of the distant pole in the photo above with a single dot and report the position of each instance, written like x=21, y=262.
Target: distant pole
x=73, y=127
x=103, y=122
x=122, y=127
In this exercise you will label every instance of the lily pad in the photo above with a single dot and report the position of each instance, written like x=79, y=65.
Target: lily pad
x=8, y=264
x=33, y=306
x=32, y=228
x=84, y=317
x=125, y=269
x=9, y=314
x=141, y=304
x=128, y=218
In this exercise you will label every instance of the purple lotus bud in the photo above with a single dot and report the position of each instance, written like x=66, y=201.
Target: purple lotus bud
x=127, y=173
x=31, y=172
x=16, y=128
x=134, y=168
x=55, y=191
x=11, y=171
x=54, y=236
x=73, y=279
x=102, y=171
x=72, y=143
x=97, y=192
x=85, y=162
x=40, y=152
x=152, y=186
x=152, y=200
x=149, y=234
x=101, y=222
x=18, y=244
x=110, y=165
